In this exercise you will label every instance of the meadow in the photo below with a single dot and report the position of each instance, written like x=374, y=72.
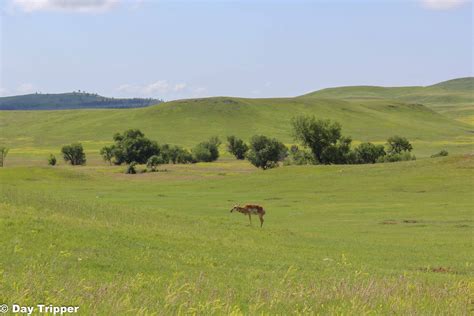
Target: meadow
x=391, y=238
x=369, y=239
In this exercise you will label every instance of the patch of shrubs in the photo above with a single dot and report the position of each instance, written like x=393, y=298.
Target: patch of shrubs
x=403, y=156
x=299, y=156
x=368, y=153
x=175, y=154
x=442, y=153
x=133, y=148
x=154, y=161
x=322, y=143
x=131, y=168
x=237, y=147
x=74, y=154
x=52, y=160
x=207, y=151
x=328, y=146
x=266, y=152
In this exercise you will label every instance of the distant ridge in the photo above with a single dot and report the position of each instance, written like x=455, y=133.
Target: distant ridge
x=71, y=100
x=463, y=86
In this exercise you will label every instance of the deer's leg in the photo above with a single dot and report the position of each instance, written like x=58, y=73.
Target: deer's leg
x=261, y=220
x=250, y=219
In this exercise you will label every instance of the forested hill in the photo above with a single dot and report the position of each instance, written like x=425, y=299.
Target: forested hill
x=72, y=100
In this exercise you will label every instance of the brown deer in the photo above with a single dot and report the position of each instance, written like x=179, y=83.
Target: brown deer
x=250, y=210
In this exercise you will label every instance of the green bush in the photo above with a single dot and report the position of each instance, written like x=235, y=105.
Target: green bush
x=397, y=145
x=324, y=139
x=299, y=156
x=52, y=160
x=131, y=146
x=404, y=156
x=3, y=155
x=131, y=168
x=442, y=153
x=237, y=147
x=368, y=153
x=265, y=152
x=338, y=153
x=74, y=154
x=154, y=161
x=108, y=153
x=176, y=154
x=207, y=151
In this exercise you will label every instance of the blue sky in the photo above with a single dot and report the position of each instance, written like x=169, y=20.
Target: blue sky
x=182, y=49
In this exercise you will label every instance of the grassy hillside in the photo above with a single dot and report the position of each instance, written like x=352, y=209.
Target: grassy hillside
x=368, y=239
x=454, y=98
x=187, y=122
x=73, y=100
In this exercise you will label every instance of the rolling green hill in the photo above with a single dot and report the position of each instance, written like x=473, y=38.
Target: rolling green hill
x=453, y=98
x=72, y=100
x=187, y=122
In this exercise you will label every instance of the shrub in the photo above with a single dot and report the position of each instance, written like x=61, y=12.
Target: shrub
x=397, y=145
x=154, y=161
x=165, y=153
x=3, y=155
x=132, y=146
x=404, y=156
x=237, y=147
x=131, y=168
x=442, y=153
x=182, y=156
x=107, y=153
x=324, y=139
x=299, y=157
x=74, y=154
x=368, y=153
x=207, y=151
x=52, y=160
x=265, y=153
x=175, y=154
x=339, y=153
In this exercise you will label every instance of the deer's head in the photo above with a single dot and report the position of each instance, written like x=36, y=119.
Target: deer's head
x=234, y=208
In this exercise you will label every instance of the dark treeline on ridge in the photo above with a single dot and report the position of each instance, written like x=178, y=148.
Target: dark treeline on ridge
x=72, y=100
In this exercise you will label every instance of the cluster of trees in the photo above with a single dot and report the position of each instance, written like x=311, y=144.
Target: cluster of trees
x=328, y=146
x=323, y=144
x=322, y=141
x=132, y=148
x=263, y=152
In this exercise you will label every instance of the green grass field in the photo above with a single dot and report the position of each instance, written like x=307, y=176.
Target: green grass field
x=393, y=238
x=374, y=239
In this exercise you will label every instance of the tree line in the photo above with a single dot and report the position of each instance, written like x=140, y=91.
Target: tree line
x=321, y=140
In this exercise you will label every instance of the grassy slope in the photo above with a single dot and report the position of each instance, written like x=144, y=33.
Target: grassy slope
x=337, y=239
x=453, y=98
x=187, y=122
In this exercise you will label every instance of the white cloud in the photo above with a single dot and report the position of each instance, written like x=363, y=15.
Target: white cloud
x=84, y=6
x=25, y=88
x=158, y=89
x=443, y=4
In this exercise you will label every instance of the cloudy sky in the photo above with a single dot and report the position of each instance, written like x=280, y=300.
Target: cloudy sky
x=251, y=48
